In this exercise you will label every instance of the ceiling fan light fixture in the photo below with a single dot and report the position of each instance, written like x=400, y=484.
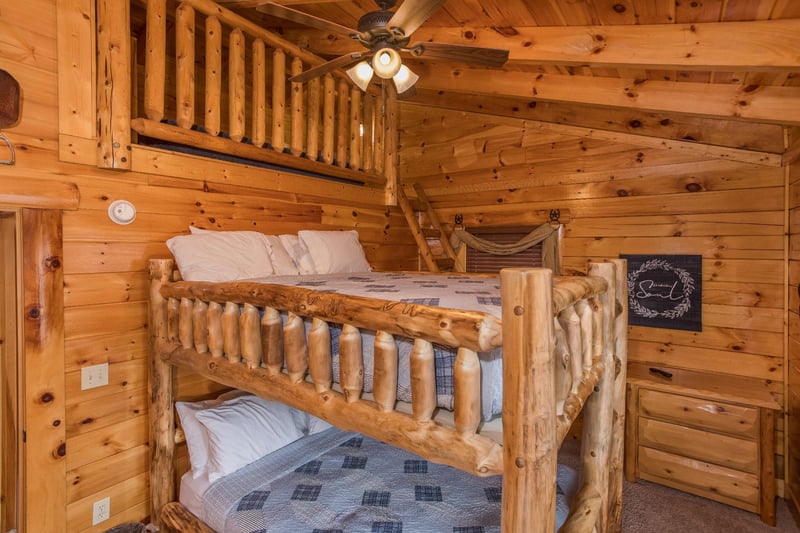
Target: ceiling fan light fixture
x=404, y=79
x=386, y=62
x=361, y=74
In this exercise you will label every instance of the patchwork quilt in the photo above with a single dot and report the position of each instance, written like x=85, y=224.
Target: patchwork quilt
x=453, y=291
x=337, y=481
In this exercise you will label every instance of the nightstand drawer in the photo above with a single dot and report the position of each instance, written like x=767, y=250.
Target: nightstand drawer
x=697, y=412
x=705, y=446
x=704, y=479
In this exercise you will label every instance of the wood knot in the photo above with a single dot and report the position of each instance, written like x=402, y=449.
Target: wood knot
x=52, y=263
x=518, y=310
x=47, y=397
x=34, y=312
x=61, y=451
x=520, y=462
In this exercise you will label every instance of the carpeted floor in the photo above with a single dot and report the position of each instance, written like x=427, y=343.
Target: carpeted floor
x=652, y=508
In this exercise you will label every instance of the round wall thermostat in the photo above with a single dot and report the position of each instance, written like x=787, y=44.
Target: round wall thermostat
x=122, y=212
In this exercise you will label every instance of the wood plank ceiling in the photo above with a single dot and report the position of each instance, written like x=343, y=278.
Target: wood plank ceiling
x=728, y=59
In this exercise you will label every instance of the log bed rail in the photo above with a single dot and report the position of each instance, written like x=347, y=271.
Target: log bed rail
x=564, y=352
x=229, y=93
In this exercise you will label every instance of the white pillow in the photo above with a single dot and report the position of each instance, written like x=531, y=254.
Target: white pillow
x=282, y=263
x=196, y=437
x=221, y=255
x=281, y=260
x=335, y=252
x=195, y=432
x=299, y=253
x=245, y=429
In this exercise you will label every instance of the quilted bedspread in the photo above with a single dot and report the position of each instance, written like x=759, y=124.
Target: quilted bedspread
x=337, y=481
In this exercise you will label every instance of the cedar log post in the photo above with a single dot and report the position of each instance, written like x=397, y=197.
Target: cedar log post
x=529, y=401
x=162, y=418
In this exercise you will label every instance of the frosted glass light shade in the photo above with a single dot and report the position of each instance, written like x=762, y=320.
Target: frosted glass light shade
x=386, y=62
x=404, y=79
x=361, y=74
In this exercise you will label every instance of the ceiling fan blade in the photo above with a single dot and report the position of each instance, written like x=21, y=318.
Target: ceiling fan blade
x=320, y=70
x=412, y=14
x=293, y=15
x=471, y=55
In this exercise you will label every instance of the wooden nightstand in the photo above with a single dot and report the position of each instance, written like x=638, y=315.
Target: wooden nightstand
x=706, y=434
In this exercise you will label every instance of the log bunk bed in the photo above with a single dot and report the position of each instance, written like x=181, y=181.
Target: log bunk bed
x=563, y=345
x=563, y=339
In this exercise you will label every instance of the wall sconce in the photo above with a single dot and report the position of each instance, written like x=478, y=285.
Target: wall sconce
x=386, y=64
x=10, y=97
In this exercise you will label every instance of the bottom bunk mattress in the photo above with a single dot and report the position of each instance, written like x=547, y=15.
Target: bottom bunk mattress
x=336, y=481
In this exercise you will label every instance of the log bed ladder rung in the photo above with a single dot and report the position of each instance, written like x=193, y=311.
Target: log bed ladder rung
x=434, y=264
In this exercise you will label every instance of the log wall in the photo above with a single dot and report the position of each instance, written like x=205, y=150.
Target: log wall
x=629, y=197
x=104, y=265
x=793, y=370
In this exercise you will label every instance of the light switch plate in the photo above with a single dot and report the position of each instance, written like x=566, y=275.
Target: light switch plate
x=94, y=376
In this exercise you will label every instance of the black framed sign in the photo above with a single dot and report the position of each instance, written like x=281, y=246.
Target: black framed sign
x=665, y=291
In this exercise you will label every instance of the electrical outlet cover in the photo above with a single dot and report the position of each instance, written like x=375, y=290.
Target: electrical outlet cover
x=101, y=510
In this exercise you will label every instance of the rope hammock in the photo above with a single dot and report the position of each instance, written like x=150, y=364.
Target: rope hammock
x=546, y=234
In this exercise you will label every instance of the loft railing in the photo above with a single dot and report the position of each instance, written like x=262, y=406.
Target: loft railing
x=229, y=93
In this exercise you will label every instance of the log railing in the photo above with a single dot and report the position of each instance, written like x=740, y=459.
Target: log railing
x=253, y=336
x=230, y=94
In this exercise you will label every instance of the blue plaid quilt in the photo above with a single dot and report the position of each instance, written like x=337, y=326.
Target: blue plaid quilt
x=449, y=290
x=337, y=481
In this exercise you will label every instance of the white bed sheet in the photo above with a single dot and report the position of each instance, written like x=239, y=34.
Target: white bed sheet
x=191, y=492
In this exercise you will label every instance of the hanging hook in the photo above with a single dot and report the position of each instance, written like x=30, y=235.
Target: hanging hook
x=13, y=159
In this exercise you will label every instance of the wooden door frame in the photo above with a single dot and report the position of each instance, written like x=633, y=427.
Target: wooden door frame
x=42, y=500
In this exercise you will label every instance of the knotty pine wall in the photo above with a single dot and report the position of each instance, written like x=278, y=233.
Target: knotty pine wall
x=624, y=198
x=793, y=371
x=105, y=279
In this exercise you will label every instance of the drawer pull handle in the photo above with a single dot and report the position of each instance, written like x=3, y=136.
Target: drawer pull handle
x=659, y=372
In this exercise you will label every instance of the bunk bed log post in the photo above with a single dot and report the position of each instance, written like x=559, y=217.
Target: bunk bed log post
x=529, y=401
x=384, y=380
x=216, y=344
x=185, y=323
x=599, y=410
x=586, y=316
x=319, y=355
x=200, y=326
x=155, y=63
x=565, y=382
x=162, y=422
x=467, y=391
x=230, y=332
x=617, y=459
x=351, y=363
x=272, y=339
x=250, y=333
x=423, y=381
x=173, y=319
x=295, y=348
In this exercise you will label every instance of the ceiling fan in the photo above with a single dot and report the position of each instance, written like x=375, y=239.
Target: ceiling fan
x=386, y=34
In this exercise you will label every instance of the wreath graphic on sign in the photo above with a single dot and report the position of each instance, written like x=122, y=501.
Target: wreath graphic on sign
x=660, y=264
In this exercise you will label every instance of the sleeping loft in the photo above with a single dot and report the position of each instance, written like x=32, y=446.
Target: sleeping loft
x=399, y=266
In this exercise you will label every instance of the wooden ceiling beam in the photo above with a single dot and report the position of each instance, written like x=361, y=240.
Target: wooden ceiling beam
x=766, y=45
x=776, y=105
